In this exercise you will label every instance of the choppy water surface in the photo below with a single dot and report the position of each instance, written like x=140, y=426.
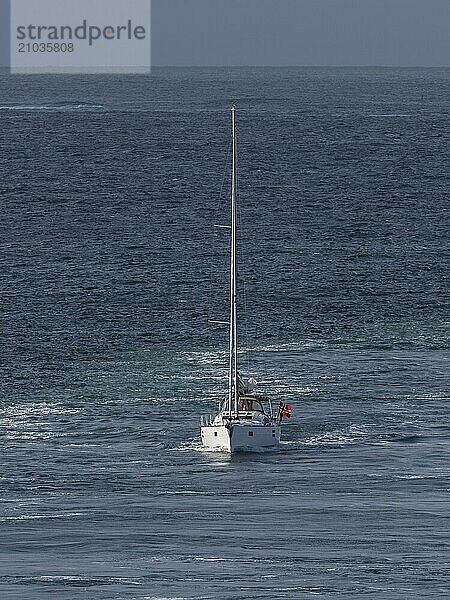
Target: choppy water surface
x=111, y=267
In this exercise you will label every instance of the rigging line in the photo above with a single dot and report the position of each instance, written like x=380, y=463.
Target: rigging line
x=217, y=275
x=214, y=281
x=243, y=262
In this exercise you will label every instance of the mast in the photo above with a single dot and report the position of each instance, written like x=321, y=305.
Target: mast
x=233, y=392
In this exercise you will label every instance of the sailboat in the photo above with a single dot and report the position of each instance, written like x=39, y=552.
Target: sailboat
x=245, y=420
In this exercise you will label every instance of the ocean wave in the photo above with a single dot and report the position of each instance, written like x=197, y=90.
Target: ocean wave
x=41, y=517
x=353, y=434
x=52, y=107
x=18, y=415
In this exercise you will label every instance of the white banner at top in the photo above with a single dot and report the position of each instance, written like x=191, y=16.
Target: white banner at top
x=80, y=36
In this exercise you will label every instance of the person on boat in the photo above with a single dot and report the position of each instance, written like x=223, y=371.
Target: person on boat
x=245, y=404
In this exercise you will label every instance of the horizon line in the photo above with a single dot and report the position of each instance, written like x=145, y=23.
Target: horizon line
x=293, y=66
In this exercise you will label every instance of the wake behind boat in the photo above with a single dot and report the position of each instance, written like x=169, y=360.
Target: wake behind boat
x=245, y=421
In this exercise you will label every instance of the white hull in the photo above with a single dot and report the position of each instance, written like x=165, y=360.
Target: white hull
x=241, y=437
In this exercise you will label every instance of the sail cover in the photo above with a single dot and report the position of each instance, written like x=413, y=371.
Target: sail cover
x=246, y=386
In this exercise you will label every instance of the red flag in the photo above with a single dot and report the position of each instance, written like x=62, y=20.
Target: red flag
x=287, y=410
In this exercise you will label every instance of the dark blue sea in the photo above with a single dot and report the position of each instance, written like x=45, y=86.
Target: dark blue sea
x=111, y=267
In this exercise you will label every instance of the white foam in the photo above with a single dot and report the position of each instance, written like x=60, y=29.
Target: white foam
x=38, y=517
x=50, y=107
